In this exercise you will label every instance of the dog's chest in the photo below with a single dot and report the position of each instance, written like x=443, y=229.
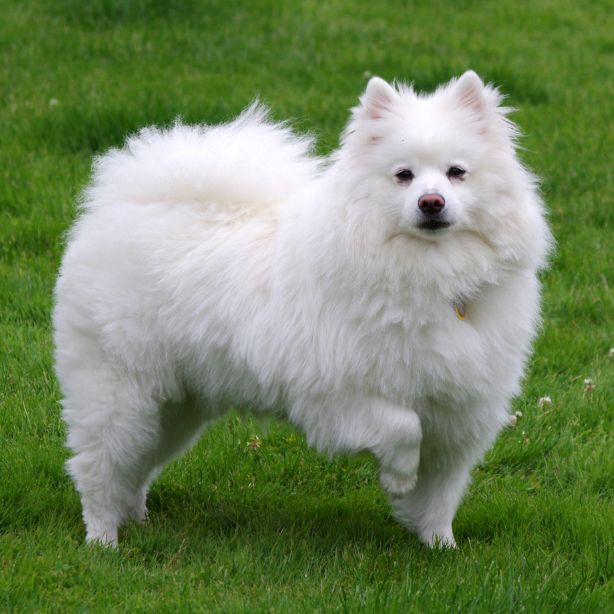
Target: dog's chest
x=429, y=349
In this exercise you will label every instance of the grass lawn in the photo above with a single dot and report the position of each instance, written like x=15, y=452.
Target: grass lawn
x=241, y=524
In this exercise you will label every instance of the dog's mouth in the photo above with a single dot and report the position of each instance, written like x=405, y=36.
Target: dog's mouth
x=427, y=227
x=433, y=224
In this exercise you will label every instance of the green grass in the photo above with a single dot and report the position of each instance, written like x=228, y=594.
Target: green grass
x=279, y=528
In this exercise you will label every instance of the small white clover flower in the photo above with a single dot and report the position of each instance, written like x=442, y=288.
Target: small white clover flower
x=513, y=419
x=589, y=385
x=544, y=401
x=253, y=443
x=611, y=353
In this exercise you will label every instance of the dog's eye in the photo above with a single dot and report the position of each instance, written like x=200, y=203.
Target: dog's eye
x=404, y=175
x=455, y=172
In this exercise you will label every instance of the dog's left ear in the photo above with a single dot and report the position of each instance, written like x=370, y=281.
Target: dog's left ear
x=469, y=92
x=378, y=98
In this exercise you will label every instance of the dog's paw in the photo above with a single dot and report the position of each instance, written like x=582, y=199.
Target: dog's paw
x=443, y=543
x=397, y=484
x=101, y=537
x=439, y=539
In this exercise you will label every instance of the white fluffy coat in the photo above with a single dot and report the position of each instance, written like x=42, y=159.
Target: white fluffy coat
x=218, y=267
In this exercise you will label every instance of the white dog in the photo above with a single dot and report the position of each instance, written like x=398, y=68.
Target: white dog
x=383, y=300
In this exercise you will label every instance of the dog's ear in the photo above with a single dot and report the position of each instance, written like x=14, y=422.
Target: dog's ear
x=469, y=92
x=376, y=103
x=378, y=98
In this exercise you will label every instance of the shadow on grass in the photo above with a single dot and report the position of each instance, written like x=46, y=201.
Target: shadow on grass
x=351, y=520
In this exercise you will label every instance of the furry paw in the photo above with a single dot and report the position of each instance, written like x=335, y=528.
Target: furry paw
x=106, y=538
x=439, y=540
x=397, y=484
x=101, y=528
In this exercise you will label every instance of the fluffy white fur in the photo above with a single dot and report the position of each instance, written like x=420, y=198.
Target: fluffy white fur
x=217, y=267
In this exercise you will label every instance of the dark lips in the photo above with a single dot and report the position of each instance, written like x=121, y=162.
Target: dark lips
x=433, y=224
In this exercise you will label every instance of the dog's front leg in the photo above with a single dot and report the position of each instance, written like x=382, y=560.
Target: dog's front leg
x=392, y=433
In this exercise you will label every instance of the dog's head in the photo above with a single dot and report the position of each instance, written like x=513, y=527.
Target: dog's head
x=435, y=164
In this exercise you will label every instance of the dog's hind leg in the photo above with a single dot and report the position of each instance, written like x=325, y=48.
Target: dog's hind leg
x=120, y=438
x=181, y=423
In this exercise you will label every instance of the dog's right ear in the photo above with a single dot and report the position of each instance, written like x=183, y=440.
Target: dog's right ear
x=469, y=92
x=375, y=104
x=378, y=98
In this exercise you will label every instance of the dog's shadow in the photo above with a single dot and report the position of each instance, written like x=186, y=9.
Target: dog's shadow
x=321, y=522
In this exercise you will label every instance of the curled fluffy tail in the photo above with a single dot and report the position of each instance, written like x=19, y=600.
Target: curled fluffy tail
x=249, y=162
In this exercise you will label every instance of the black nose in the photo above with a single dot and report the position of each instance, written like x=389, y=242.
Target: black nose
x=431, y=203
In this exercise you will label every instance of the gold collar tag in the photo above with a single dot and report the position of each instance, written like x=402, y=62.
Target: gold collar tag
x=459, y=309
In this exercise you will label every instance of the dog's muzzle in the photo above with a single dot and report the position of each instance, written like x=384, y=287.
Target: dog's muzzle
x=432, y=209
